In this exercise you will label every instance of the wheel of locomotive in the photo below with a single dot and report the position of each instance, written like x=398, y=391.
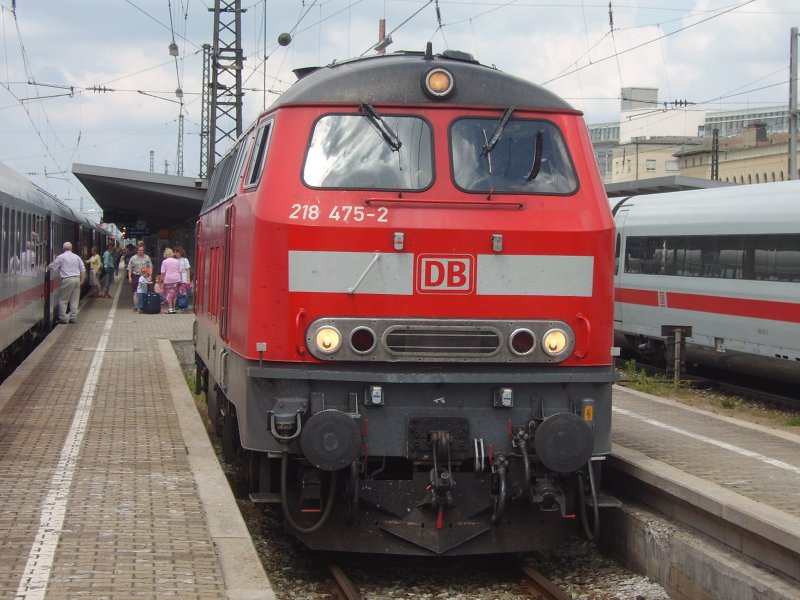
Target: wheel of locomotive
x=230, y=430
x=597, y=471
x=253, y=471
x=213, y=396
x=262, y=473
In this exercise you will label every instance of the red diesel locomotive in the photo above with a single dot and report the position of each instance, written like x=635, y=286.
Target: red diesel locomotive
x=404, y=308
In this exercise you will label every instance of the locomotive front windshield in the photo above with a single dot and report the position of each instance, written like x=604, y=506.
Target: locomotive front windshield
x=510, y=155
x=359, y=152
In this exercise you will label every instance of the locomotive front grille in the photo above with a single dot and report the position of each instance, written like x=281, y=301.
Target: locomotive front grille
x=446, y=340
x=443, y=341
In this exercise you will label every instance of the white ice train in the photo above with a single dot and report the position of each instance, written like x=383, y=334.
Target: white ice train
x=33, y=226
x=724, y=262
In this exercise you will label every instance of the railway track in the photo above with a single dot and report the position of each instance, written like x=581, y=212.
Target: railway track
x=540, y=587
x=537, y=585
x=343, y=586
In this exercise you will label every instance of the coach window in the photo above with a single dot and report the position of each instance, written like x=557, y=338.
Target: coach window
x=256, y=167
x=645, y=255
x=38, y=238
x=4, y=242
x=13, y=246
x=350, y=151
x=526, y=156
x=776, y=257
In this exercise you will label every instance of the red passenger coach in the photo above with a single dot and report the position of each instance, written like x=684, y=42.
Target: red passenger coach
x=404, y=308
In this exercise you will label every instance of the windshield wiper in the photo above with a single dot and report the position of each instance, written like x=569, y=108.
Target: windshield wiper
x=389, y=136
x=537, y=157
x=489, y=144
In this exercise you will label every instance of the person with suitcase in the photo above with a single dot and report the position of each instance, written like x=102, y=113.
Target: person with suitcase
x=182, y=303
x=171, y=270
x=136, y=263
x=151, y=299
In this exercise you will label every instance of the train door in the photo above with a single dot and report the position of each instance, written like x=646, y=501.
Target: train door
x=230, y=212
x=47, y=252
x=199, y=279
x=619, y=263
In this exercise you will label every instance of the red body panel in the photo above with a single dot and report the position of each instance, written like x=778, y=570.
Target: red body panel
x=441, y=220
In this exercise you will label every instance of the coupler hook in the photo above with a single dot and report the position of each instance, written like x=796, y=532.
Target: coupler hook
x=442, y=482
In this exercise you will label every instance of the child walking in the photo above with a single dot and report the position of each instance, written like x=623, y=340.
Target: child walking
x=142, y=288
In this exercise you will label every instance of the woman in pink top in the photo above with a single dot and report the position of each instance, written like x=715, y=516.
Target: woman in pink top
x=171, y=274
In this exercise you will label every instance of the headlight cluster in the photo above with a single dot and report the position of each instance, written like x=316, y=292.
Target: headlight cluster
x=328, y=340
x=357, y=339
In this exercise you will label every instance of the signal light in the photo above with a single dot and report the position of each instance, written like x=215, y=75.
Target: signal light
x=438, y=83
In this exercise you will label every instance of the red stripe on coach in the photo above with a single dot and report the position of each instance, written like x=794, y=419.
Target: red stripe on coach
x=740, y=307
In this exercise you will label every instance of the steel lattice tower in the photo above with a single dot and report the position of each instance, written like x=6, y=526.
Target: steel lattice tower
x=179, y=154
x=225, y=123
x=205, y=104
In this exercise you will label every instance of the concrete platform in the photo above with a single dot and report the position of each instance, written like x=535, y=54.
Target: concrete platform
x=110, y=487
x=744, y=476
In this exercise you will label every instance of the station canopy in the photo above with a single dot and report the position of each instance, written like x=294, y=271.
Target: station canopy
x=657, y=185
x=140, y=202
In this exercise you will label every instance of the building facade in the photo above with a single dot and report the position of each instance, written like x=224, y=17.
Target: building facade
x=653, y=141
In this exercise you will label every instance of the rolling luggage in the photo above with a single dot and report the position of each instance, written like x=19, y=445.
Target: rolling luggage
x=151, y=303
x=182, y=303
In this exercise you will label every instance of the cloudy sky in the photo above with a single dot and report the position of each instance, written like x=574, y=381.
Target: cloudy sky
x=93, y=81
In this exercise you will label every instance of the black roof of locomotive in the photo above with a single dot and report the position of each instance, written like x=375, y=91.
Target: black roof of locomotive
x=397, y=78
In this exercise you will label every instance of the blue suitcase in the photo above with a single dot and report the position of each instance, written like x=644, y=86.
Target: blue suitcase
x=151, y=303
x=182, y=303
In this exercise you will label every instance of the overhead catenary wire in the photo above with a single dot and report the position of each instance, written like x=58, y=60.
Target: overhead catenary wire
x=616, y=54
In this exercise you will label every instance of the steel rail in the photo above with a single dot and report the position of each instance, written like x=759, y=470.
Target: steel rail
x=540, y=587
x=343, y=584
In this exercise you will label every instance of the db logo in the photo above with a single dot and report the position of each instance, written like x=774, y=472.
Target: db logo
x=443, y=274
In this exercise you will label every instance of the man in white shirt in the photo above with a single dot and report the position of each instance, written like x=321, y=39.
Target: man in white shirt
x=72, y=273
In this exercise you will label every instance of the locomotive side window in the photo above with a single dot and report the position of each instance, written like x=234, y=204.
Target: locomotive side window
x=219, y=180
x=746, y=257
x=347, y=151
x=256, y=166
x=522, y=156
x=236, y=175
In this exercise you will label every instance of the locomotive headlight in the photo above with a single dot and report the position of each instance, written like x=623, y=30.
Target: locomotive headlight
x=438, y=83
x=328, y=339
x=555, y=342
x=522, y=342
